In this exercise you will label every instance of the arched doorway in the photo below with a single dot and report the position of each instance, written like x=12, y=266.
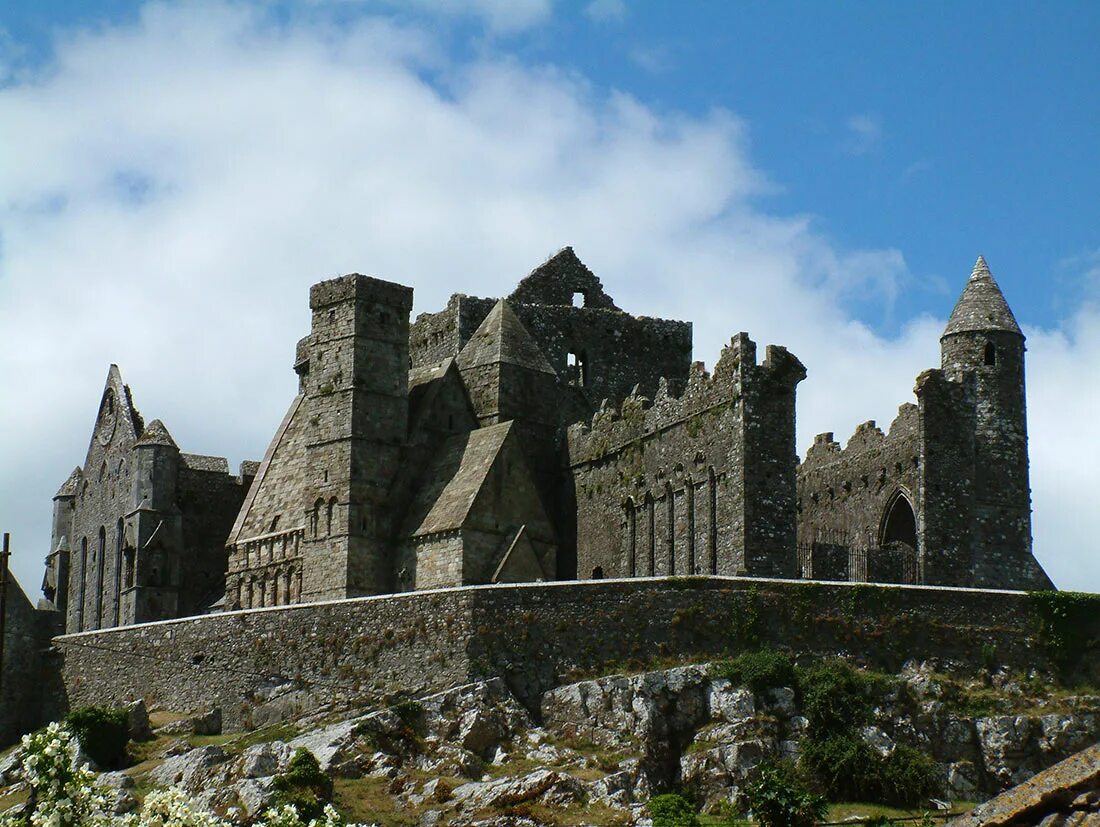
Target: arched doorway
x=896, y=559
x=900, y=524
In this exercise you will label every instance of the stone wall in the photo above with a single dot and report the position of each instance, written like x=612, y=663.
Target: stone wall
x=260, y=664
x=25, y=702
x=701, y=483
x=845, y=495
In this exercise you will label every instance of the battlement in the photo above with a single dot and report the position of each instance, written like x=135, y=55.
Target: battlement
x=360, y=287
x=867, y=438
x=637, y=417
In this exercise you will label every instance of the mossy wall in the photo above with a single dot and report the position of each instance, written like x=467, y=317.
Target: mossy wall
x=264, y=663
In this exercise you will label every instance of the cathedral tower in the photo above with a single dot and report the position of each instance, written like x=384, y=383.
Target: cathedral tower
x=356, y=389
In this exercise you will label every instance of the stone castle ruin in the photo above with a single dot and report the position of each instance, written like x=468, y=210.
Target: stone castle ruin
x=548, y=435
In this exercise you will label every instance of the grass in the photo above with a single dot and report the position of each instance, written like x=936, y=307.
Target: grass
x=13, y=799
x=846, y=811
x=575, y=815
x=235, y=742
x=163, y=717
x=370, y=800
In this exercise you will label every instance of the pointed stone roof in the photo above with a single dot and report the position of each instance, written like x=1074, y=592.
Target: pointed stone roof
x=156, y=434
x=71, y=486
x=503, y=338
x=982, y=306
x=454, y=481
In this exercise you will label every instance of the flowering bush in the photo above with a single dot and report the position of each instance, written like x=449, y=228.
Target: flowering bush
x=287, y=816
x=61, y=794
x=65, y=795
x=171, y=807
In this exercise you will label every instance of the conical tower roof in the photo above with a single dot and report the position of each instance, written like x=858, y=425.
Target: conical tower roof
x=503, y=338
x=156, y=434
x=982, y=306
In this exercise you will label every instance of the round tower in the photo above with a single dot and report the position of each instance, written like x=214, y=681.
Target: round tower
x=983, y=344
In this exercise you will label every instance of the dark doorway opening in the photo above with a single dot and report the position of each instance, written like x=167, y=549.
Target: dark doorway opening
x=901, y=523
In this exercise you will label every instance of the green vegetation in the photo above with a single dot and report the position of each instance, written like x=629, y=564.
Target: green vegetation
x=304, y=785
x=103, y=733
x=1066, y=624
x=838, y=700
x=761, y=670
x=837, y=697
x=672, y=810
x=779, y=798
x=746, y=619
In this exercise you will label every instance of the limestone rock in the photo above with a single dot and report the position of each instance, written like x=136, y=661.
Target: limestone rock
x=729, y=703
x=208, y=723
x=119, y=790
x=717, y=773
x=476, y=716
x=254, y=795
x=262, y=760
x=545, y=786
x=878, y=740
x=1004, y=744
x=193, y=770
x=335, y=747
x=138, y=721
x=10, y=768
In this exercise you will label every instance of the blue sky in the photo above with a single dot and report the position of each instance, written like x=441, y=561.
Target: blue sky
x=822, y=175
x=955, y=127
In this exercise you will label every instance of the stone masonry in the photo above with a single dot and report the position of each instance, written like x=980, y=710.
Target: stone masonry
x=139, y=530
x=548, y=435
x=943, y=497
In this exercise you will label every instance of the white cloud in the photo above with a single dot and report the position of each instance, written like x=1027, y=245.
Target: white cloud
x=606, y=11
x=500, y=16
x=864, y=134
x=172, y=188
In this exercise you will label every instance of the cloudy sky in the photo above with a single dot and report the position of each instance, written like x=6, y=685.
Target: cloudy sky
x=173, y=177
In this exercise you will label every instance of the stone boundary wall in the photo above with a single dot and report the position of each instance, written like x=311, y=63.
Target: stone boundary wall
x=263, y=664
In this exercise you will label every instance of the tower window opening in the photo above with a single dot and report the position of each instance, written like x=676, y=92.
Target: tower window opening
x=990, y=354
x=577, y=368
x=579, y=298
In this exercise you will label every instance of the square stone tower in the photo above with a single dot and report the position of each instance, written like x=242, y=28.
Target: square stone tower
x=356, y=394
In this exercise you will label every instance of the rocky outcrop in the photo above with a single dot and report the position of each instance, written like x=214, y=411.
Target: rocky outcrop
x=471, y=753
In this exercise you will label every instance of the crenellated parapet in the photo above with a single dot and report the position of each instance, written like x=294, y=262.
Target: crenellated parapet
x=695, y=482
x=846, y=495
x=638, y=417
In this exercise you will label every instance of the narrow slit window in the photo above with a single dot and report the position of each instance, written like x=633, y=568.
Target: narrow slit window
x=990, y=353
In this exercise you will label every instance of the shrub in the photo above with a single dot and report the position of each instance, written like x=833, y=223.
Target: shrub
x=848, y=769
x=672, y=810
x=837, y=697
x=103, y=733
x=908, y=777
x=759, y=671
x=410, y=712
x=61, y=794
x=779, y=798
x=303, y=786
x=844, y=767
